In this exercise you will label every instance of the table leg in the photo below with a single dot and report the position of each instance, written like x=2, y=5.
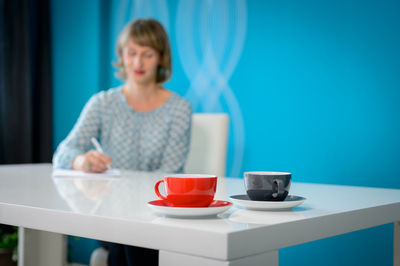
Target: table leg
x=37, y=247
x=396, y=244
x=168, y=258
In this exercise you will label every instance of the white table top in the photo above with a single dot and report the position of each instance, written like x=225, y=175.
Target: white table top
x=116, y=210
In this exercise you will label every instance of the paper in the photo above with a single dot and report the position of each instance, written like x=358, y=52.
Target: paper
x=112, y=173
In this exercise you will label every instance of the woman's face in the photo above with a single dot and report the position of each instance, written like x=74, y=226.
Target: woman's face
x=141, y=63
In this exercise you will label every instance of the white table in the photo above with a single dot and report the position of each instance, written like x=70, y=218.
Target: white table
x=115, y=210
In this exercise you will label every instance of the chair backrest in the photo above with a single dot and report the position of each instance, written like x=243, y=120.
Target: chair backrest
x=208, y=145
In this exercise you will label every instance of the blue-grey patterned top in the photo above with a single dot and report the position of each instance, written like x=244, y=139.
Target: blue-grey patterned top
x=144, y=141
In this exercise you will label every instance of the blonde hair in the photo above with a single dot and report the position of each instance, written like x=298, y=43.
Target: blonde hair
x=146, y=32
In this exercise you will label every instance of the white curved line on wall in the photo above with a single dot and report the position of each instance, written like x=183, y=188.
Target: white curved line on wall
x=210, y=39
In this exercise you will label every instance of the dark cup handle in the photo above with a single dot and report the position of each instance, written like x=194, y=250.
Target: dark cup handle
x=278, y=188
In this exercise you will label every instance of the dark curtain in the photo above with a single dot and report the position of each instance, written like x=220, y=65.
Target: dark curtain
x=25, y=82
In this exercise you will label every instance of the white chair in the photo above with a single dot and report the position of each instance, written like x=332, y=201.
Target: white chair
x=99, y=257
x=208, y=144
x=207, y=155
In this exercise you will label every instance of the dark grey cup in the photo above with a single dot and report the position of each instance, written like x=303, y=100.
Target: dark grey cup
x=267, y=186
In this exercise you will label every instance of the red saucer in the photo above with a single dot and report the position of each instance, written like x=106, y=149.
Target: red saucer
x=215, y=203
x=163, y=207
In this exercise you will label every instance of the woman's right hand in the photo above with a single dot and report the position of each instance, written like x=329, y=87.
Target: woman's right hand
x=91, y=162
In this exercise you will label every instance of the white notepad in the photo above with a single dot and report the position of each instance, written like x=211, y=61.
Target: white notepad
x=68, y=173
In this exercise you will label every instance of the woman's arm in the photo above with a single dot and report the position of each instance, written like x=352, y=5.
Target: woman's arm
x=175, y=155
x=78, y=140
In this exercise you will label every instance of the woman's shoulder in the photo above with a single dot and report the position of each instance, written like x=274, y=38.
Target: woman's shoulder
x=180, y=110
x=110, y=94
x=180, y=104
x=106, y=97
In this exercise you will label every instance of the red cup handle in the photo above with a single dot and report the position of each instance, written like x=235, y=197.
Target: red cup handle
x=158, y=192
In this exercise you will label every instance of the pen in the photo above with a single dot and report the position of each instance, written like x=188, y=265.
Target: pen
x=98, y=148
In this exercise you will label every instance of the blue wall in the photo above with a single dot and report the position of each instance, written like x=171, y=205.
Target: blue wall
x=312, y=87
x=75, y=59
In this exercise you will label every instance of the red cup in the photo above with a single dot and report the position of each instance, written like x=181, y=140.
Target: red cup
x=188, y=190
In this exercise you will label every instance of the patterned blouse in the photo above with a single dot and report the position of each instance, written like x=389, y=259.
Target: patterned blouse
x=143, y=141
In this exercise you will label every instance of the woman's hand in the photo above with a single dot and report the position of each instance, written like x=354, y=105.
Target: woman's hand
x=91, y=162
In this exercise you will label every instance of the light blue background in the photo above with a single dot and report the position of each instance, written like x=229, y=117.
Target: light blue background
x=317, y=86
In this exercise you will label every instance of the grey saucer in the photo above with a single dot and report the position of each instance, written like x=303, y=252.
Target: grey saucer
x=244, y=201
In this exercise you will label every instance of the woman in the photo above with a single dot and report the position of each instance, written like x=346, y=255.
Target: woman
x=141, y=125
